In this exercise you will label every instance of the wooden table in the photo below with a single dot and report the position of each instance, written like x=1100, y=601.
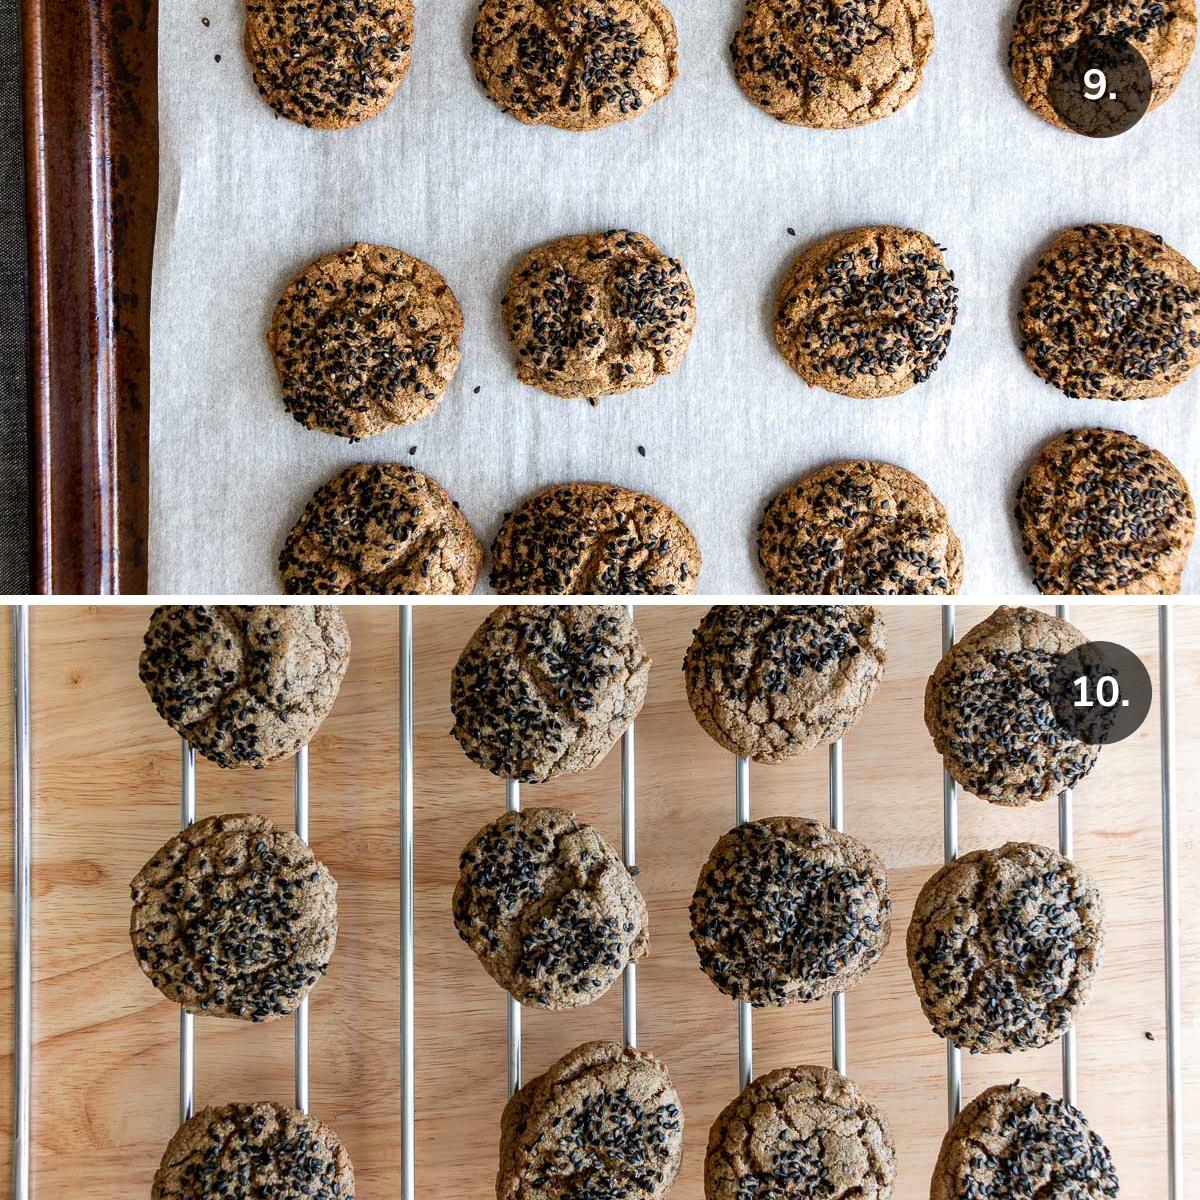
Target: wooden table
x=106, y=794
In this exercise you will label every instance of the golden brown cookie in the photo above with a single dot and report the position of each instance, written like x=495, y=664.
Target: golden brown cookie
x=859, y=528
x=797, y=1132
x=867, y=312
x=598, y=314
x=328, y=64
x=1011, y=1143
x=1163, y=33
x=1113, y=313
x=578, y=539
x=832, y=66
x=381, y=529
x=575, y=64
x=1101, y=513
x=364, y=340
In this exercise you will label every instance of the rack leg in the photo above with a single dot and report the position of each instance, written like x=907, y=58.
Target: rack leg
x=1066, y=847
x=187, y=1023
x=300, y=1021
x=629, y=855
x=744, y=1012
x=512, y=803
x=408, y=1186
x=22, y=907
x=837, y=820
x=1166, y=708
x=949, y=854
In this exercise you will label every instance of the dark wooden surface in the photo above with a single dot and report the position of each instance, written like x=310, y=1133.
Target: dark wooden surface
x=91, y=128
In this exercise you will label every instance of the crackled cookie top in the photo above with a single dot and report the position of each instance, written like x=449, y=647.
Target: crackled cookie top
x=578, y=539
x=577, y=64
x=989, y=707
x=1101, y=513
x=549, y=907
x=1003, y=946
x=544, y=689
x=832, y=66
x=328, y=64
x=246, y=685
x=603, y=1122
x=235, y=918
x=787, y=910
x=255, y=1152
x=1011, y=1143
x=381, y=529
x=364, y=340
x=797, y=1132
x=1163, y=33
x=859, y=529
x=1111, y=313
x=867, y=312
x=598, y=314
x=770, y=681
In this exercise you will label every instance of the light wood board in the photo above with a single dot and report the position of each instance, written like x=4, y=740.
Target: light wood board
x=106, y=795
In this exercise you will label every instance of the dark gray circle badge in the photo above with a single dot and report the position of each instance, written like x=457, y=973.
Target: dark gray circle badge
x=1101, y=692
x=1100, y=86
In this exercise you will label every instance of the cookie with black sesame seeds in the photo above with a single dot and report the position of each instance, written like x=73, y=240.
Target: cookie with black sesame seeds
x=1102, y=513
x=800, y=1131
x=1003, y=947
x=859, y=529
x=832, y=66
x=546, y=690
x=381, y=529
x=578, y=64
x=579, y=539
x=787, y=911
x=770, y=681
x=603, y=1121
x=1043, y=30
x=598, y=314
x=255, y=1152
x=1111, y=312
x=365, y=339
x=549, y=908
x=867, y=312
x=244, y=684
x=989, y=707
x=234, y=917
x=328, y=64
x=1012, y=1143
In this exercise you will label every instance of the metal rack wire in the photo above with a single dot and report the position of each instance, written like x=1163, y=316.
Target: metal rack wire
x=512, y=798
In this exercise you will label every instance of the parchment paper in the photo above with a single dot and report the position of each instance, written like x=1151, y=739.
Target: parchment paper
x=248, y=199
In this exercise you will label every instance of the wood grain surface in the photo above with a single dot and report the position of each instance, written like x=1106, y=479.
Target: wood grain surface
x=106, y=796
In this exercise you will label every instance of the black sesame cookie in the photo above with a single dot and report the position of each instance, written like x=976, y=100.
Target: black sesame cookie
x=381, y=529
x=1101, y=513
x=867, y=312
x=234, y=917
x=832, y=66
x=544, y=690
x=800, y=1131
x=603, y=1121
x=578, y=539
x=325, y=63
x=1011, y=1143
x=859, y=529
x=580, y=64
x=254, y=1152
x=1164, y=35
x=770, y=681
x=246, y=685
x=1003, y=946
x=989, y=708
x=1111, y=313
x=598, y=314
x=787, y=910
x=365, y=339
x=549, y=908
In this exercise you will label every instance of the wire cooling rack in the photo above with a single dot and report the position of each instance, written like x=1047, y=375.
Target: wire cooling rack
x=23, y=757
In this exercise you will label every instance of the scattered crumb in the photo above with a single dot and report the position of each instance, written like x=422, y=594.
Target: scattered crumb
x=642, y=451
x=412, y=449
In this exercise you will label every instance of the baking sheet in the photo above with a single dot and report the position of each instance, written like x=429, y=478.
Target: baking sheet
x=247, y=199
